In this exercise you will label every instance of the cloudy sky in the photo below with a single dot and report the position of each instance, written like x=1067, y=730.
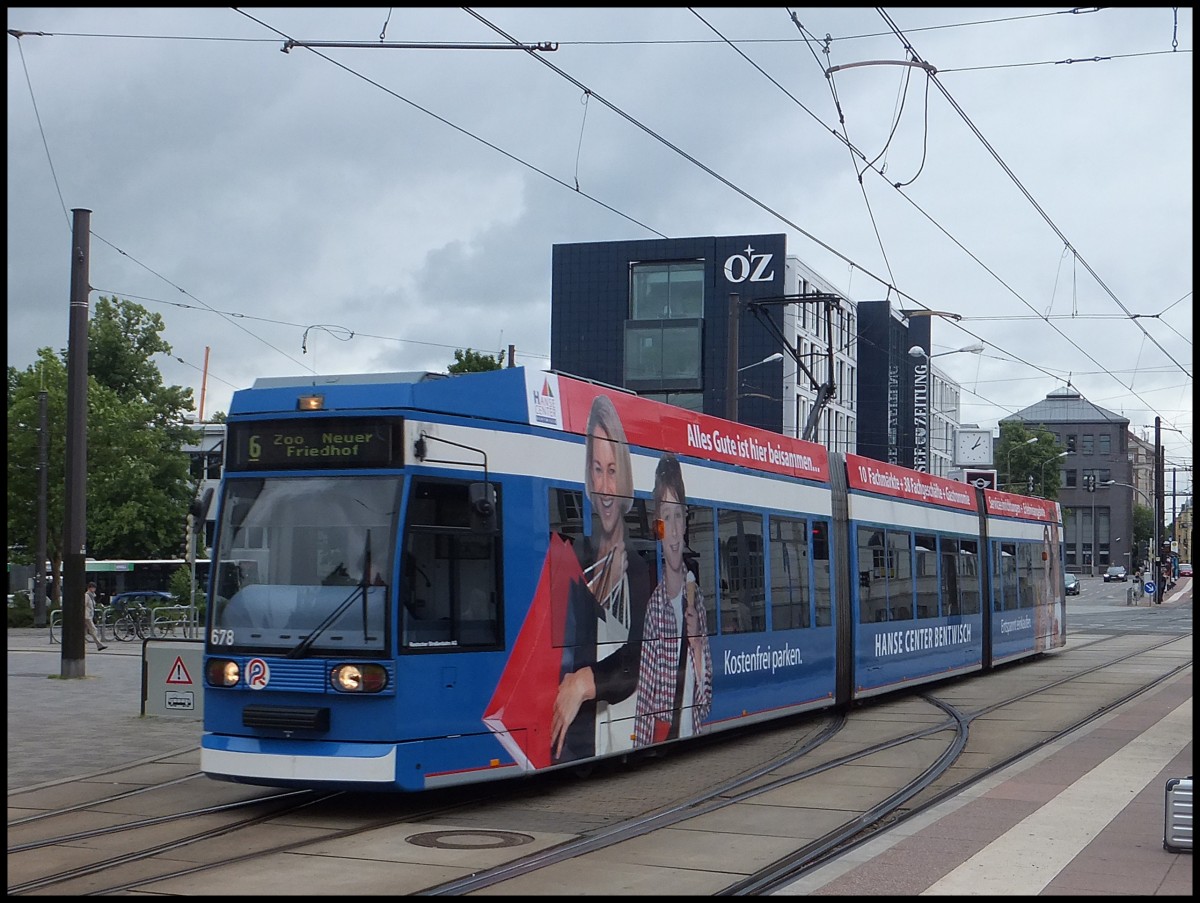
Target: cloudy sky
x=373, y=208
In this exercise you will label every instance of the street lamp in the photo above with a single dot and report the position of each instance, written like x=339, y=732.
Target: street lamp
x=1008, y=459
x=1130, y=486
x=1044, y=463
x=777, y=356
x=768, y=359
x=732, y=388
x=918, y=351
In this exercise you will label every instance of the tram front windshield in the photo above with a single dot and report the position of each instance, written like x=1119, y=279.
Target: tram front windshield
x=304, y=564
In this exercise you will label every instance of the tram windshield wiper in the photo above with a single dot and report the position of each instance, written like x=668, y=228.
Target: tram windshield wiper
x=364, y=584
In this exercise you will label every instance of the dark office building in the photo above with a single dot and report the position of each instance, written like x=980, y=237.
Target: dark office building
x=897, y=414
x=653, y=316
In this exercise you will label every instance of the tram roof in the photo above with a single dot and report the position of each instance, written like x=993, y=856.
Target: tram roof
x=495, y=394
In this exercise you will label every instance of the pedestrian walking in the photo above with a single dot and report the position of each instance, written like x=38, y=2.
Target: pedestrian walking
x=89, y=615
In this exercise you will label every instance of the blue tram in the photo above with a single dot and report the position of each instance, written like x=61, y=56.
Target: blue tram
x=430, y=581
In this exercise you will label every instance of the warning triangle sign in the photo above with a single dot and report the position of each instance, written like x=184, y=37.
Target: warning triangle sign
x=179, y=672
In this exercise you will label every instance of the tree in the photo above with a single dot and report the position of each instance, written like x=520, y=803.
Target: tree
x=138, y=481
x=474, y=362
x=1143, y=526
x=48, y=374
x=1017, y=457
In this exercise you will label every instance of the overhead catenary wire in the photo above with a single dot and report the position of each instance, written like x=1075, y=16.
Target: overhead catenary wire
x=851, y=263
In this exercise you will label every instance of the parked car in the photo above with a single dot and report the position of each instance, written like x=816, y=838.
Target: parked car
x=147, y=598
x=1072, y=585
x=1116, y=573
x=1185, y=569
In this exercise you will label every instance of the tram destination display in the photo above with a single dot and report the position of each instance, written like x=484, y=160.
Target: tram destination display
x=324, y=443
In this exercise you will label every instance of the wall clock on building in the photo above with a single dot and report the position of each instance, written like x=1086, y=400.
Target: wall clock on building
x=972, y=447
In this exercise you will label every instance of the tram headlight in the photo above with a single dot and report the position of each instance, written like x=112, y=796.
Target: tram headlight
x=359, y=678
x=222, y=672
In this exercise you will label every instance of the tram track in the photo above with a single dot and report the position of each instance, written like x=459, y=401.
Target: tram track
x=299, y=799
x=292, y=803
x=887, y=812
x=61, y=811
x=869, y=736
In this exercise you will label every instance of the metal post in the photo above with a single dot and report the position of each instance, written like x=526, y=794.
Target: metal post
x=74, y=642
x=43, y=469
x=1094, y=548
x=1174, y=515
x=731, y=359
x=191, y=557
x=1158, y=511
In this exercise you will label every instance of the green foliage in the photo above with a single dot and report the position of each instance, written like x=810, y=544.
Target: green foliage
x=138, y=482
x=181, y=587
x=1018, y=458
x=474, y=362
x=20, y=611
x=1143, y=524
x=20, y=616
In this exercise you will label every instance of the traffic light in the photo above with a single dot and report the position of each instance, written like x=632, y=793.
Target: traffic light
x=1029, y=484
x=1089, y=482
x=190, y=548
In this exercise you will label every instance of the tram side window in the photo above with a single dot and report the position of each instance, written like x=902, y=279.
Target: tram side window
x=568, y=518
x=927, y=575
x=566, y=513
x=743, y=581
x=639, y=530
x=1027, y=574
x=701, y=558
x=969, y=593
x=948, y=577
x=822, y=573
x=790, y=602
x=1006, y=577
x=569, y=512
x=873, y=569
x=450, y=579
x=900, y=581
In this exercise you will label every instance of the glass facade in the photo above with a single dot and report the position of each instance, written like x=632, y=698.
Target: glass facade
x=667, y=291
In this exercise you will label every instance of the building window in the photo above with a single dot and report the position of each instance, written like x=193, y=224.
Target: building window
x=691, y=401
x=1104, y=446
x=664, y=334
x=663, y=355
x=1070, y=482
x=667, y=291
x=1088, y=444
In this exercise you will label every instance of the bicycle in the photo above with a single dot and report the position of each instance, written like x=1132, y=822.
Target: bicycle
x=133, y=621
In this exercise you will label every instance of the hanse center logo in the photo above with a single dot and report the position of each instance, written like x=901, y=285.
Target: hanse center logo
x=749, y=266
